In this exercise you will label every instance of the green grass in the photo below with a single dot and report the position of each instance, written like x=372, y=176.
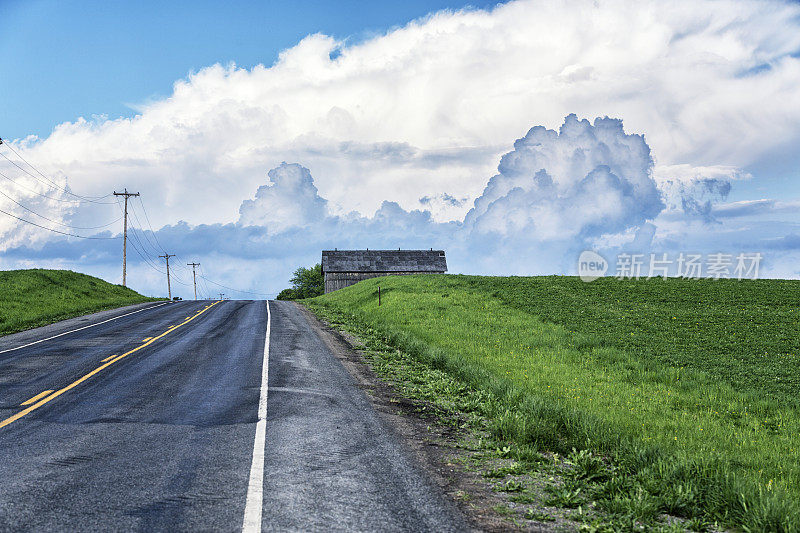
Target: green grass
x=689, y=387
x=32, y=298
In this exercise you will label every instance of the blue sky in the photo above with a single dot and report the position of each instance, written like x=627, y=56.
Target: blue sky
x=512, y=135
x=61, y=60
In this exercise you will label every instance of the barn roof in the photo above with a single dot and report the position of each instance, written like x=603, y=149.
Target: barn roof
x=383, y=261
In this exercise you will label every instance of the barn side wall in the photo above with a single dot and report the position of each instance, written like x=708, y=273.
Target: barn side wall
x=339, y=280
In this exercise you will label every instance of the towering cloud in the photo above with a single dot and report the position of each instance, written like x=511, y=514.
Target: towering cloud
x=290, y=201
x=582, y=181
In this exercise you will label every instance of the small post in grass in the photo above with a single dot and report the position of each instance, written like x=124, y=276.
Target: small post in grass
x=379, y=295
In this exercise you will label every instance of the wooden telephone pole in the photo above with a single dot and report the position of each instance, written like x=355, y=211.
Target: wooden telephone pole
x=127, y=195
x=194, y=277
x=167, y=256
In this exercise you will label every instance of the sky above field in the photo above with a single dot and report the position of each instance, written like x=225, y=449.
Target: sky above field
x=512, y=135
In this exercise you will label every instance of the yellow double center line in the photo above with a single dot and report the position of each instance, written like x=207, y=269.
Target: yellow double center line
x=110, y=362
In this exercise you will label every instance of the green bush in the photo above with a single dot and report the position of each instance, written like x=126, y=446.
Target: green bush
x=306, y=283
x=286, y=294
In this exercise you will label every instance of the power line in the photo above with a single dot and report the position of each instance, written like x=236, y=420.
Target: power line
x=34, y=191
x=142, y=240
x=146, y=255
x=150, y=225
x=56, y=221
x=141, y=252
x=55, y=230
x=205, y=285
x=180, y=265
x=138, y=240
x=237, y=290
x=147, y=261
x=174, y=275
x=49, y=182
x=157, y=247
x=18, y=155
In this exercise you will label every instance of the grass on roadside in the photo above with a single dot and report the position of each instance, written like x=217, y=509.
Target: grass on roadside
x=32, y=298
x=463, y=412
x=643, y=373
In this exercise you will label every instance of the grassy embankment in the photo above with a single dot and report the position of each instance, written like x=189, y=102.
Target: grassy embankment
x=32, y=298
x=688, y=388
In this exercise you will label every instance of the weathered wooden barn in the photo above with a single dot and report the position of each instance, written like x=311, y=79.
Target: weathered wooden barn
x=342, y=268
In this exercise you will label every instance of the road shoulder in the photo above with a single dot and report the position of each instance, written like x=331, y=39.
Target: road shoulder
x=446, y=452
x=331, y=461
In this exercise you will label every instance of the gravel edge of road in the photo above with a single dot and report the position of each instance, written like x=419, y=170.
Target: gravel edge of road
x=431, y=445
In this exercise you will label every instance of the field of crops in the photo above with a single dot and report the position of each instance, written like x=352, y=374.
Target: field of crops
x=31, y=298
x=689, y=386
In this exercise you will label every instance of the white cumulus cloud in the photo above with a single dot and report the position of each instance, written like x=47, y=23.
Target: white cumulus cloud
x=586, y=179
x=290, y=201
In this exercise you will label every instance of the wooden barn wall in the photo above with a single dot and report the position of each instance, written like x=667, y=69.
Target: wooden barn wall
x=339, y=280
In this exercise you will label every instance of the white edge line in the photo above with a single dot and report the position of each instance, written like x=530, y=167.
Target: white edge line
x=79, y=329
x=255, y=486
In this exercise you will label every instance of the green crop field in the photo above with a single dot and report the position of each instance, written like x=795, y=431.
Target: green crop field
x=691, y=388
x=31, y=298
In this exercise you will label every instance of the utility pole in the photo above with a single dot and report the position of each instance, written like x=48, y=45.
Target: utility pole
x=194, y=277
x=127, y=195
x=169, y=289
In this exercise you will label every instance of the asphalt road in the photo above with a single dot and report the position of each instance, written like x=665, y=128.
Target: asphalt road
x=151, y=424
